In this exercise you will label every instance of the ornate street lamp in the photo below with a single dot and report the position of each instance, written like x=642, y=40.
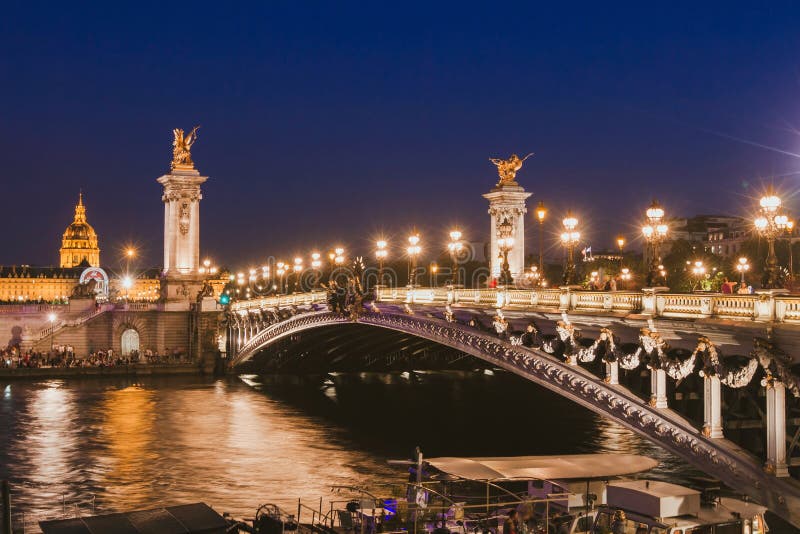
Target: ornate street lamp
x=52, y=318
x=455, y=246
x=742, y=266
x=380, y=254
x=620, y=244
x=699, y=272
x=770, y=224
x=569, y=238
x=654, y=232
x=413, y=251
x=282, y=269
x=625, y=275
x=541, y=213
x=316, y=265
x=338, y=257
x=434, y=271
x=505, y=242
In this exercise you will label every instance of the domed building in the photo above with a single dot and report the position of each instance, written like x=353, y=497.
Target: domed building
x=79, y=243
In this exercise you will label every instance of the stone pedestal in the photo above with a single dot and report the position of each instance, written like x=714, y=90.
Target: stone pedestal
x=507, y=202
x=650, y=300
x=182, y=221
x=179, y=292
x=765, y=306
x=712, y=402
x=658, y=388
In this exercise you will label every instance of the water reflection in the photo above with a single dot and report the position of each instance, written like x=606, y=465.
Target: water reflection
x=235, y=445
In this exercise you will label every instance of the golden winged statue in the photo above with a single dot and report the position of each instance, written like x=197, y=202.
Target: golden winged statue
x=182, y=148
x=507, y=168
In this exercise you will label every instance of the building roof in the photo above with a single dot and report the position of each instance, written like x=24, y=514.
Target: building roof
x=561, y=467
x=188, y=518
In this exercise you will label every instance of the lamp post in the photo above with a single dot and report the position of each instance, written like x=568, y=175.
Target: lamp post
x=434, y=271
x=316, y=264
x=297, y=268
x=699, y=272
x=569, y=238
x=770, y=224
x=413, y=251
x=541, y=213
x=130, y=253
x=742, y=266
x=654, y=232
x=127, y=284
x=505, y=242
x=338, y=258
x=455, y=246
x=52, y=318
x=790, y=231
x=534, y=275
x=625, y=276
x=380, y=254
x=282, y=268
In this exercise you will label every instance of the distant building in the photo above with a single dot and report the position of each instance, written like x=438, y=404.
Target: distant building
x=79, y=243
x=79, y=263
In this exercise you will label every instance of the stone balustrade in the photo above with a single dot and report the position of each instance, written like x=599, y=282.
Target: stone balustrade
x=764, y=306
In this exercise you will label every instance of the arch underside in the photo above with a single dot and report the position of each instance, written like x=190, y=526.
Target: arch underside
x=718, y=457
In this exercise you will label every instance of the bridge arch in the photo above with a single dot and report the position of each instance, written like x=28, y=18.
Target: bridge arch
x=719, y=457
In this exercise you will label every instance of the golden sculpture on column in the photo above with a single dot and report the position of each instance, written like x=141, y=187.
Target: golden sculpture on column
x=507, y=168
x=182, y=148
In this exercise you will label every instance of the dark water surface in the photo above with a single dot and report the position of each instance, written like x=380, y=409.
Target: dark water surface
x=235, y=444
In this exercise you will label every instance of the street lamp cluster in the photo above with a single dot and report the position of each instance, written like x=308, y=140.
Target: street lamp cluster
x=413, y=251
x=570, y=238
x=770, y=224
x=654, y=232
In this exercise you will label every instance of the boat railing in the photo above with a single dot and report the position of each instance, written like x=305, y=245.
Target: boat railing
x=493, y=508
x=70, y=509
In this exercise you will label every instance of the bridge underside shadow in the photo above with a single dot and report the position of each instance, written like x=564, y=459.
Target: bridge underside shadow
x=356, y=348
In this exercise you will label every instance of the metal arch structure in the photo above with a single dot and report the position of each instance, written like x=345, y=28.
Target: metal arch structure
x=721, y=458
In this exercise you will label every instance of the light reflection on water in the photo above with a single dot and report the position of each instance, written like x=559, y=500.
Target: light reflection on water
x=234, y=446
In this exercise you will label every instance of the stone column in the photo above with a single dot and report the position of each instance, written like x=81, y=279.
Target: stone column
x=507, y=202
x=712, y=402
x=612, y=373
x=776, y=428
x=182, y=280
x=658, y=388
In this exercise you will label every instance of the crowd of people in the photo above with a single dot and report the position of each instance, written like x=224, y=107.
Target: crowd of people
x=63, y=356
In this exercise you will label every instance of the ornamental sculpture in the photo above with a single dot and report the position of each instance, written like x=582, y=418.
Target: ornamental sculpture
x=507, y=168
x=182, y=148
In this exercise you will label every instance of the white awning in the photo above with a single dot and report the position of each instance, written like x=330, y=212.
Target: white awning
x=573, y=466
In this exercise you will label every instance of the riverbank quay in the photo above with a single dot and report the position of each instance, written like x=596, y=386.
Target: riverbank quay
x=36, y=373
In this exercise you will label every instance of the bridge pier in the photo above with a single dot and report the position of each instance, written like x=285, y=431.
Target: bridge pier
x=776, y=428
x=712, y=402
x=612, y=373
x=658, y=388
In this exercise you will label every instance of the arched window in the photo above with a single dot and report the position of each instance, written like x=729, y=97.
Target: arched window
x=130, y=342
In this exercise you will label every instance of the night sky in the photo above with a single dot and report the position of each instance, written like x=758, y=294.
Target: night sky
x=326, y=123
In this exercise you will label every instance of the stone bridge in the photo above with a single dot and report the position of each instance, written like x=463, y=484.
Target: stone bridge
x=429, y=313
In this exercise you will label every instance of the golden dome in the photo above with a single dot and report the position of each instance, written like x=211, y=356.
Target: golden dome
x=79, y=242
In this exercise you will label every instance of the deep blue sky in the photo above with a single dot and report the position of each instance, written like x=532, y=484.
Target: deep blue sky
x=328, y=122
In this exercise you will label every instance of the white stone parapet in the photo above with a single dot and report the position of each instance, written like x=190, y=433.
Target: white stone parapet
x=652, y=302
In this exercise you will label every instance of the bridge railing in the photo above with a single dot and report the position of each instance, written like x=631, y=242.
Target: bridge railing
x=764, y=306
x=277, y=301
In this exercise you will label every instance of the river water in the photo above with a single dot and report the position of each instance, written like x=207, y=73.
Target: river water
x=235, y=443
